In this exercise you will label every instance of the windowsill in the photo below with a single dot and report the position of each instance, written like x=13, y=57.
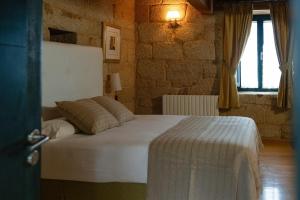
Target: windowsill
x=257, y=93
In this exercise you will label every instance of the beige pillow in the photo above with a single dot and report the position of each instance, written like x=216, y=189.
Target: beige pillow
x=57, y=128
x=49, y=113
x=87, y=115
x=116, y=108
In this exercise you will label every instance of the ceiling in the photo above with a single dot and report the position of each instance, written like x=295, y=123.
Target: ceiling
x=210, y=5
x=260, y=4
x=237, y=1
x=244, y=0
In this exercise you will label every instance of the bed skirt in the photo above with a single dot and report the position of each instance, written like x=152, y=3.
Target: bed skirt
x=73, y=190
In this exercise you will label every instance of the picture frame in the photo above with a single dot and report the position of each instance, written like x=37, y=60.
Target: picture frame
x=111, y=43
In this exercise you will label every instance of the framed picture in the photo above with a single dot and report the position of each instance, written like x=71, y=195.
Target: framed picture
x=111, y=43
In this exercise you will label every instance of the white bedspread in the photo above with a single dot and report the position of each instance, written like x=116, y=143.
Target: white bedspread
x=211, y=158
x=116, y=155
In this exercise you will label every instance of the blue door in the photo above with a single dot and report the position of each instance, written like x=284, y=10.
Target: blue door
x=20, y=104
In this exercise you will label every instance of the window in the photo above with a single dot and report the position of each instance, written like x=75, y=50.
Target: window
x=259, y=66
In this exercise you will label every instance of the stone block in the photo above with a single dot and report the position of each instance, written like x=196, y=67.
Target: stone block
x=154, y=32
x=144, y=102
x=124, y=24
x=194, y=66
x=189, y=32
x=174, y=1
x=179, y=76
x=127, y=95
x=69, y=14
x=148, y=2
x=256, y=112
x=143, y=92
x=204, y=87
x=93, y=8
x=145, y=32
x=184, y=70
x=167, y=50
x=144, y=51
x=203, y=50
x=163, y=83
x=269, y=131
x=151, y=69
x=182, y=83
x=142, y=13
x=128, y=34
x=124, y=10
x=278, y=117
x=142, y=84
x=235, y=111
x=90, y=40
x=127, y=72
x=131, y=53
x=247, y=98
x=124, y=52
x=287, y=132
x=210, y=32
x=209, y=19
x=210, y=71
x=159, y=92
x=47, y=9
x=265, y=99
x=140, y=110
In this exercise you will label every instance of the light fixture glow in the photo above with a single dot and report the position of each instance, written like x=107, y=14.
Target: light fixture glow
x=173, y=15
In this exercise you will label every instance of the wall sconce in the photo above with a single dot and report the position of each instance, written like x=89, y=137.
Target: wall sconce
x=173, y=16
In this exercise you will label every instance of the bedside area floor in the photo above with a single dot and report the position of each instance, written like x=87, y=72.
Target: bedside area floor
x=278, y=171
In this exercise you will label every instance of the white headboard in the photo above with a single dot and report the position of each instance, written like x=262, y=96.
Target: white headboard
x=70, y=72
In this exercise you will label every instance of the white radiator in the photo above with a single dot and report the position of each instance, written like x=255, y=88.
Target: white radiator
x=190, y=105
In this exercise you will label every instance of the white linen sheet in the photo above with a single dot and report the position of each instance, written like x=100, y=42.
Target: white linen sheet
x=116, y=155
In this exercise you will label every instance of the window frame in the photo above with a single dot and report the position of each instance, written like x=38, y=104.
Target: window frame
x=260, y=42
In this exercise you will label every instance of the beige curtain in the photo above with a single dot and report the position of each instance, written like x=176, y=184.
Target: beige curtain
x=281, y=24
x=238, y=20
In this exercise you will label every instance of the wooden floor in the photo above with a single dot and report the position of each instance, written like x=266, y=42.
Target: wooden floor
x=278, y=171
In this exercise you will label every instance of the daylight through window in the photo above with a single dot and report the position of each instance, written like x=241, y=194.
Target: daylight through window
x=259, y=66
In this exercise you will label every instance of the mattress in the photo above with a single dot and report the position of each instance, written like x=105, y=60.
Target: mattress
x=119, y=154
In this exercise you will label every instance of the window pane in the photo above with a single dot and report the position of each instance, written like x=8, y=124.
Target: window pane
x=271, y=71
x=249, y=74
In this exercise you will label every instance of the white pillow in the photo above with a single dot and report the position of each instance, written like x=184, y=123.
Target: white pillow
x=57, y=128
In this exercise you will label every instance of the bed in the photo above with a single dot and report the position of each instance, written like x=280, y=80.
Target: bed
x=117, y=157
x=152, y=157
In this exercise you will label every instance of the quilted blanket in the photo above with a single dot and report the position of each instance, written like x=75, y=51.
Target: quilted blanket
x=209, y=158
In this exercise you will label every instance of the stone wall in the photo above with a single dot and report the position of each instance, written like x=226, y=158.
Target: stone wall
x=171, y=61
x=187, y=60
x=85, y=17
x=271, y=121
